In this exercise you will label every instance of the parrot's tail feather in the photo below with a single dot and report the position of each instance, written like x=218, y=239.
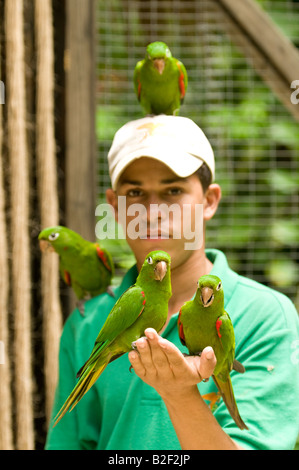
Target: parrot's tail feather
x=92, y=359
x=227, y=393
x=83, y=385
x=238, y=367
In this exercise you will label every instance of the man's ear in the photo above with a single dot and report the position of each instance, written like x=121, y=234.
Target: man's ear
x=212, y=198
x=111, y=199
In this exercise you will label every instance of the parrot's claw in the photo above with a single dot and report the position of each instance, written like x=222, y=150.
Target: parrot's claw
x=110, y=291
x=189, y=355
x=80, y=306
x=133, y=344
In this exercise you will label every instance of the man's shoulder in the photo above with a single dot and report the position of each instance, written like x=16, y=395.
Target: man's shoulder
x=258, y=291
x=265, y=301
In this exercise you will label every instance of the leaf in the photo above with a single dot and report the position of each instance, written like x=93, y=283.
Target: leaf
x=285, y=232
x=282, y=272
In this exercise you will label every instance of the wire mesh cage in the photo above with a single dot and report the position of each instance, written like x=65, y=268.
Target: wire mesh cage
x=255, y=138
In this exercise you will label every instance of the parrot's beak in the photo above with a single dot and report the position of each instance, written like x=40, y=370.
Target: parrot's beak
x=45, y=246
x=159, y=64
x=160, y=270
x=207, y=296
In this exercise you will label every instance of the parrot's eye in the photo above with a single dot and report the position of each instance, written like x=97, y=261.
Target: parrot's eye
x=53, y=236
x=150, y=260
x=219, y=286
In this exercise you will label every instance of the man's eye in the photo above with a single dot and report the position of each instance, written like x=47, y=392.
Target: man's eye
x=134, y=192
x=174, y=191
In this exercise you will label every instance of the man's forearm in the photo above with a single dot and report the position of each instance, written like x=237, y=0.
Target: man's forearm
x=195, y=425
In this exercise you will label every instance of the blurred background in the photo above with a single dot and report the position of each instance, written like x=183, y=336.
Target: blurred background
x=67, y=67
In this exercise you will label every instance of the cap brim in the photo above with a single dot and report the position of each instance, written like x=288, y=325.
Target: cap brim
x=183, y=165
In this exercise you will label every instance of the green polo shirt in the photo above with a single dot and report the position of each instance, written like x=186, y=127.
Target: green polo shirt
x=122, y=412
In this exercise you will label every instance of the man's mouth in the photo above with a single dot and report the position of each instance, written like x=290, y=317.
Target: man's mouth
x=156, y=236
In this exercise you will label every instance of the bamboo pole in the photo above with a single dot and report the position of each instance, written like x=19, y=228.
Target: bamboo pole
x=6, y=435
x=19, y=233
x=47, y=186
x=80, y=116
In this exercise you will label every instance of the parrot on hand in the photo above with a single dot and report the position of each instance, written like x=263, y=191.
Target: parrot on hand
x=83, y=265
x=160, y=81
x=203, y=322
x=143, y=305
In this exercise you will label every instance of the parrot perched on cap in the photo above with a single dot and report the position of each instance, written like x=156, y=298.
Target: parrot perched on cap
x=203, y=322
x=83, y=265
x=143, y=305
x=160, y=80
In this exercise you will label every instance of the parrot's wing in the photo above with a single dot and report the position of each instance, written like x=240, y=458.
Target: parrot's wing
x=183, y=79
x=225, y=332
x=124, y=313
x=225, y=328
x=137, y=83
x=181, y=328
x=105, y=257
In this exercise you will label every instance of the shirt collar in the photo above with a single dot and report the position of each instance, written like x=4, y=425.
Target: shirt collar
x=221, y=269
x=128, y=280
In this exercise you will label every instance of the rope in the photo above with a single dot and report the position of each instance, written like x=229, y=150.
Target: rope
x=6, y=438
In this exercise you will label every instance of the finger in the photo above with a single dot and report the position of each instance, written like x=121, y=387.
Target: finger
x=136, y=363
x=207, y=363
x=159, y=357
x=174, y=356
x=145, y=356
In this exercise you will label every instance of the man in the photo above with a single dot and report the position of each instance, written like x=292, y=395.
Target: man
x=158, y=163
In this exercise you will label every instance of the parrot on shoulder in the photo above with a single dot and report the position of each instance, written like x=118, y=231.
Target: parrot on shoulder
x=160, y=80
x=203, y=322
x=83, y=265
x=143, y=305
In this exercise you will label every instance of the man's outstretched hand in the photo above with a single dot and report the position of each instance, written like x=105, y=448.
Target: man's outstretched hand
x=160, y=364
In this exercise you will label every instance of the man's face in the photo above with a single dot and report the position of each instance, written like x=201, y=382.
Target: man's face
x=172, y=210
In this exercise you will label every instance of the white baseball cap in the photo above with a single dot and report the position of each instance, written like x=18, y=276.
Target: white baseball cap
x=173, y=140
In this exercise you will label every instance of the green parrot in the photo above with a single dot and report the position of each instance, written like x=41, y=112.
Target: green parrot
x=203, y=322
x=143, y=305
x=83, y=265
x=160, y=80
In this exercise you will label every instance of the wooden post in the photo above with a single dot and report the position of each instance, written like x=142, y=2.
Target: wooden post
x=80, y=67
x=272, y=55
